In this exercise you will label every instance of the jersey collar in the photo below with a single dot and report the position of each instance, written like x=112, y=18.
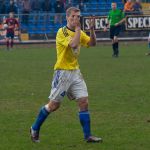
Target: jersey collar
x=70, y=29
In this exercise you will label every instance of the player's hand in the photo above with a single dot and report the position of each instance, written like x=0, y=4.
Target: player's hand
x=92, y=22
x=16, y=29
x=105, y=29
x=116, y=24
x=77, y=24
x=10, y=26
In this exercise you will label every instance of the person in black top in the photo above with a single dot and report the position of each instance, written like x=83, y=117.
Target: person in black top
x=59, y=9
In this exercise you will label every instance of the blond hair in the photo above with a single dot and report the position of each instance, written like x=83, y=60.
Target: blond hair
x=70, y=9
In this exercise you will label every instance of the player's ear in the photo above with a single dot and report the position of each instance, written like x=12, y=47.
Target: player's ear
x=67, y=18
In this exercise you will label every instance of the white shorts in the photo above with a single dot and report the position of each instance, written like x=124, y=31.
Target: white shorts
x=70, y=83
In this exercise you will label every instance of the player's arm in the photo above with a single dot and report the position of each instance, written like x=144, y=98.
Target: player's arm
x=122, y=20
x=5, y=21
x=92, y=41
x=17, y=28
x=107, y=25
x=149, y=38
x=76, y=39
x=16, y=25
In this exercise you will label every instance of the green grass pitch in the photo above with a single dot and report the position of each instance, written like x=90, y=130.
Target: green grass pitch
x=119, y=97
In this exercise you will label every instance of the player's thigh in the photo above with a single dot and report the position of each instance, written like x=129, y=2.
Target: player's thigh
x=60, y=85
x=9, y=35
x=117, y=31
x=112, y=32
x=12, y=36
x=78, y=88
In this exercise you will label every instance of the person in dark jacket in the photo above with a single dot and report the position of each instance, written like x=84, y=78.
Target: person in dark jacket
x=46, y=8
x=59, y=9
x=12, y=7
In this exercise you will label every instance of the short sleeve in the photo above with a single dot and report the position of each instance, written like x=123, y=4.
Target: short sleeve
x=16, y=22
x=108, y=16
x=84, y=39
x=6, y=21
x=122, y=14
x=62, y=38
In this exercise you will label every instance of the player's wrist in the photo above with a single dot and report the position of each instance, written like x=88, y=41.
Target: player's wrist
x=77, y=29
x=92, y=28
x=116, y=24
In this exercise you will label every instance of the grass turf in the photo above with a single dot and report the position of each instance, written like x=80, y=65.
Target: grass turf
x=118, y=96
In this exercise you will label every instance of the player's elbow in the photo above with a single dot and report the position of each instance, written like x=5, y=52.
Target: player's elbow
x=74, y=45
x=92, y=43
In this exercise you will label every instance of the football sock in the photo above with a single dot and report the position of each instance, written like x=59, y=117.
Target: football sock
x=12, y=43
x=84, y=117
x=149, y=44
x=43, y=114
x=113, y=46
x=7, y=43
x=117, y=48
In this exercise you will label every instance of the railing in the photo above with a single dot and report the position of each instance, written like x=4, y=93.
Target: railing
x=46, y=25
x=146, y=1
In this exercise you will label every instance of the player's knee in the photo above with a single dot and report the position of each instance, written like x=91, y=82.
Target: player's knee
x=53, y=106
x=115, y=39
x=83, y=104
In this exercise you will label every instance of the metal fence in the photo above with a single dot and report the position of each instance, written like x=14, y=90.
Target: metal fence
x=43, y=26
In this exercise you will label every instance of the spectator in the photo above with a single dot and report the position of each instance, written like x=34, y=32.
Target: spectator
x=47, y=8
x=128, y=7
x=148, y=54
x=35, y=6
x=2, y=7
x=69, y=4
x=19, y=4
x=25, y=11
x=137, y=7
x=2, y=10
x=12, y=7
x=81, y=5
x=64, y=2
x=124, y=1
x=59, y=9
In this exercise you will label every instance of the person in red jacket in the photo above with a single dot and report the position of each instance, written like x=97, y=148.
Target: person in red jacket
x=12, y=25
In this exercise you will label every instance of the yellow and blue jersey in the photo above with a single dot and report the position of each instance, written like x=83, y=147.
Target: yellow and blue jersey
x=67, y=58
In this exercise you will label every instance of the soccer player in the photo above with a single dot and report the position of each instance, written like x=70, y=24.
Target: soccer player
x=115, y=17
x=12, y=26
x=67, y=78
x=147, y=54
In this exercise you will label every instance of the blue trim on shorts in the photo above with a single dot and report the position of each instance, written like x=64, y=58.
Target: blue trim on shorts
x=56, y=79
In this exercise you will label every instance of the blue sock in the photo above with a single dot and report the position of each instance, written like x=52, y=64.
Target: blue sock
x=84, y=117
x=149, y=44
x=40, y=119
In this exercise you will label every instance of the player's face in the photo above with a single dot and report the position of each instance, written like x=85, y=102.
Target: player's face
x=113, y=6
x=73, y=16
x=11, y=15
